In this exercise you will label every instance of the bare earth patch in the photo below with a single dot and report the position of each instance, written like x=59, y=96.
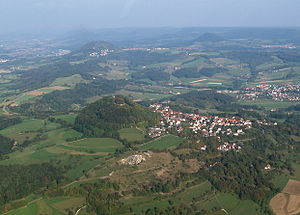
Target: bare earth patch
x=292, y=188
x=215, y=83
x=278, y=204
x=36, y=93
x=40, y=92
x=294, y=205
x=287, y=202
x=58, y=88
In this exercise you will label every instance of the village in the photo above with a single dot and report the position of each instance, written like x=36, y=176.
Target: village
x=105, y=52
x=205, y=126
x=285, y=46
x=3, y=60
x=102, y=53
x=59, y=52
x=286, y=92
x=145, y=49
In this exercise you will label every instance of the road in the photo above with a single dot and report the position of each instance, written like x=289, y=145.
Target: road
x=77, y=212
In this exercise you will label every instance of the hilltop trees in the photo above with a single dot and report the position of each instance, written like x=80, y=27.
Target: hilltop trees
x=106, y=116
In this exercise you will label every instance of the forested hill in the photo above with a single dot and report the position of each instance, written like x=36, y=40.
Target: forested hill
x=203, y=99
x=209, y=37
x=106, y=116
x=97, y=46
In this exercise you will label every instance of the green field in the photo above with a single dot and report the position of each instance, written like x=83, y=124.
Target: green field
x=25, y=126
x=99, y=144
x=163, y=143
x=70, y=133
x=132, y=134
x=235, y=206
x=29, y=210
x=37, y=208
x=54, y=206
x=70, y=81
x=24, y=97
x=280, y=181
x=202, y=196
x=55, y=144
x=69, y=118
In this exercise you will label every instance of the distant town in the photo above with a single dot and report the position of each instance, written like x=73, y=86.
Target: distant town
x=285, y=92
x=285, y=46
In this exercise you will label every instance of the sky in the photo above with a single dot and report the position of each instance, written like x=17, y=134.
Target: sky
x=63, y=15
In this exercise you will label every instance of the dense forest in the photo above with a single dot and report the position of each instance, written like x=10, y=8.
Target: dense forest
x=18, y=181
x=63, y=101
x=6, y=121
x=201, y=99
x=6, y=145
x=45, y=75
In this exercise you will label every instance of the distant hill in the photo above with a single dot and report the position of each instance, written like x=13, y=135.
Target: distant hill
x=207, y=99
x=209, y=37
x=97, y=46
x=106, y=116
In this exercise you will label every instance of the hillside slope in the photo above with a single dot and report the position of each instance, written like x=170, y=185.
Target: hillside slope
x=106, y=116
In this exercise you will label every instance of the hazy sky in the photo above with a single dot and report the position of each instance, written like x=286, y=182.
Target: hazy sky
x=40, y=15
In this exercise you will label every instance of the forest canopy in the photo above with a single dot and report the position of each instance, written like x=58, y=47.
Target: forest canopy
x=107, y=115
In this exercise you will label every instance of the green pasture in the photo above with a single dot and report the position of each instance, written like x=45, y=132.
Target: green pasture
x=24, y=98
x=70, y=81
x=70, y=118
x=101, y=144
x=25, y=126
x=163, y=143
x=54, y=206
x=132, y=134
x=36, y=208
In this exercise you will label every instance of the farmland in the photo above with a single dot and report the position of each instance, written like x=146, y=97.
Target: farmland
x=287, y=202
x=25, y=126
x=132, y=134
x=105, y=145
x=163, y=143
x=86, y=116
x=55, y=206
x=69, y=118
